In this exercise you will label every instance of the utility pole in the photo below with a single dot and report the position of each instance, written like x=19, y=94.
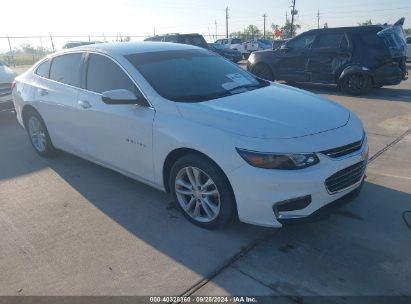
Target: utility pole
x=318, y=19
x=226, y=22
x=293, y=12
x=215, y=23
x=154, y=30
x=264, y=16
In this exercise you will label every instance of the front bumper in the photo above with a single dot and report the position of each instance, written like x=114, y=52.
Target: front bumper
x=258, y=191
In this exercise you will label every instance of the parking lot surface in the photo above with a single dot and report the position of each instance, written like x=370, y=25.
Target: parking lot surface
x=70, y=227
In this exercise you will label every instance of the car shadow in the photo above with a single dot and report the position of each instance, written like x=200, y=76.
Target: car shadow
x=370, y=226
x=384, y=93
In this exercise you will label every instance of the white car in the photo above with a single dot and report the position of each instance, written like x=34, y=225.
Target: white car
x=238, y=45
x=184, y=120
x=409, y=48
x=7, y=76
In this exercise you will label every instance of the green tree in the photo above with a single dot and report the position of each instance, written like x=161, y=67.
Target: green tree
x=28, y=49
x=289, y=31
x=251, y=31
x=407, y=31
x=365, y=23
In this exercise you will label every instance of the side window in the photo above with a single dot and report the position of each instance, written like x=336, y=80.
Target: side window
x=409, y=40
x=171, y=38
x=66, y=69
x=217, y=42
x=301, y=42
x=44, y=69
x=225, y=41
x=103, y=74
x=331, y=40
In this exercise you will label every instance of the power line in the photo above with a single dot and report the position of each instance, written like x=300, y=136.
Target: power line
x=293, y=12
x=226, y=22
x=264, y=16
x=318, y=18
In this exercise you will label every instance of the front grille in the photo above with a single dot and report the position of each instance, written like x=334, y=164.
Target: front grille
x=343, y=150
x=346, y=177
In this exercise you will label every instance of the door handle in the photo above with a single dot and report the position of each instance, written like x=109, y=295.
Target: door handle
x=43, y=92
x=84, y=104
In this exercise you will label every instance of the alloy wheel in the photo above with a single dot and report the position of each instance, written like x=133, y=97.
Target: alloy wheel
x=197, y=194
x=37, y=134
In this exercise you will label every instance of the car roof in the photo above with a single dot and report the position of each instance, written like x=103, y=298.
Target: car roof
x=348, y=28
x=126, y=48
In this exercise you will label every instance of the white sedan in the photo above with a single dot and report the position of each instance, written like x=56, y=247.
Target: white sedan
x=222, y=142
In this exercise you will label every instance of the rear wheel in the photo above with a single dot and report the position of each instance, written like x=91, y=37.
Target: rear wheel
x=202, y=191
x=38, y=134
x=263, y=71
x=356, y=84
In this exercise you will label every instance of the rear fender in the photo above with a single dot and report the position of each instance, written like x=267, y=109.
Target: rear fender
x=354, y=69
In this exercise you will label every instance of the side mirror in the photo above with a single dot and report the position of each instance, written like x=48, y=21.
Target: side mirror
x=284, y=48
x=121, y=97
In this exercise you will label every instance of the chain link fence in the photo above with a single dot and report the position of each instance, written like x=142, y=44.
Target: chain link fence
x=26, y=50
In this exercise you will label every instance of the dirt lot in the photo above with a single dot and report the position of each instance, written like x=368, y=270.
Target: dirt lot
x=69, y=227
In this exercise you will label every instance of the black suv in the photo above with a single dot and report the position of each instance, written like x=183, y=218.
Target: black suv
x=191, y=39
x=354, y=58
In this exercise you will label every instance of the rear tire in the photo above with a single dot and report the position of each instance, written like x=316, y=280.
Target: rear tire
x=356, y=84
x=201, y=191
x=38, y=134
x=263, y=71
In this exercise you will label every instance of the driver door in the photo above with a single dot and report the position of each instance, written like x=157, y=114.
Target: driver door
x=118, y=135
x=293, y=58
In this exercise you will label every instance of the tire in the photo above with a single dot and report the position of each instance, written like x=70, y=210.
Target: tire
x=210, y=206
x=356, y=84
x=38, y=134
x=263, y=71
x=378, y=86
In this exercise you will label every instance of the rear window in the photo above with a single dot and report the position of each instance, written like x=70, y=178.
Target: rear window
x=66, y=69
x=44, y=69
x=195, y=40
x=236, y=41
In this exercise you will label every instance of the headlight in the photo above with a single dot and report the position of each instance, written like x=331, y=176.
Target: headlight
x=279, y=161
x=251, y=58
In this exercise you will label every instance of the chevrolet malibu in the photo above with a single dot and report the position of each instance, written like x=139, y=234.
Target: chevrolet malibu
x=221, y=141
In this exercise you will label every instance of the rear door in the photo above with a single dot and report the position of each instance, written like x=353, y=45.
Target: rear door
x=330, y=52
x=292, y=59
x=56, y=99
x=117, y=135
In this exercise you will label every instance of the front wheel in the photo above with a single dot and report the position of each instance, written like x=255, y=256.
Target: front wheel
x=356, y=84
x=38, y=134
x=202, y=191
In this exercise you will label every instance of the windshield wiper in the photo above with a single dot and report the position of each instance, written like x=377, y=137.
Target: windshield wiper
x=261, y=84
x=202, y=97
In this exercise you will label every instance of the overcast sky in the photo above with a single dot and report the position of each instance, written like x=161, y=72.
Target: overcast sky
x=139, y=17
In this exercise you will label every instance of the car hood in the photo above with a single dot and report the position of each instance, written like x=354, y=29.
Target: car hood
x=276, y=111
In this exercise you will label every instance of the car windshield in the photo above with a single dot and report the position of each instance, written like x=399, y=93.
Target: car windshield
x=193, y=75
x=236, y=41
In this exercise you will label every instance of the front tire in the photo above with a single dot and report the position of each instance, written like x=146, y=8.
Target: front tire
x=202, y=191
x=356, y=84
x=38, y=134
